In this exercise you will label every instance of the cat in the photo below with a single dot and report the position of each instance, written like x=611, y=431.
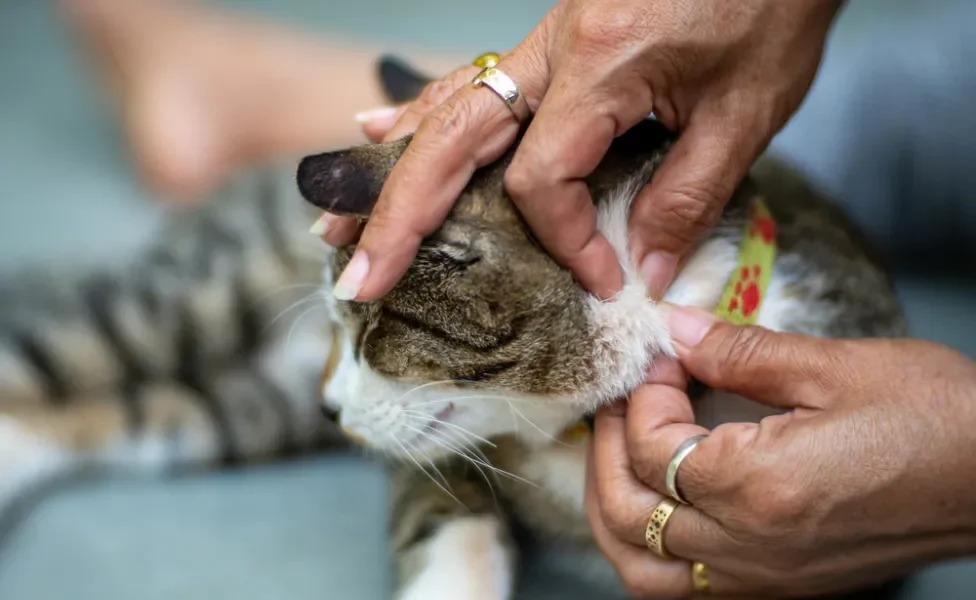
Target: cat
x=466, y=374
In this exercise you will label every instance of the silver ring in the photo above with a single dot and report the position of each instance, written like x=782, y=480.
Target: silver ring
x=497, y=81
x=671, y=478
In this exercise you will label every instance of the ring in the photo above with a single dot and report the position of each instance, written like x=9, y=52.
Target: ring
x=506, y=89
x=486, y=60
x=699, y=578
x=654, y=532
x=671, y=477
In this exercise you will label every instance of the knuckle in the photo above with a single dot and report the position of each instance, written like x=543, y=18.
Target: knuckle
x=635, y=582
x=524, y=178
x=596, y=27
x=776, y=508
x=447, y=122
x=437, y=92
x=744, y=348
x=681, y=215
x=699, y=204
x=615, y=511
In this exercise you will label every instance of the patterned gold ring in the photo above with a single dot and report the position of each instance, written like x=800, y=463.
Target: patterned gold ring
x=699, y=578
x=671, y=476
x=486, y=60
x=654, y=532
x=505, y=88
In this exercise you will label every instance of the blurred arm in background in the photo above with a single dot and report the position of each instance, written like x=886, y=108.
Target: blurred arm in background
x=204, y=91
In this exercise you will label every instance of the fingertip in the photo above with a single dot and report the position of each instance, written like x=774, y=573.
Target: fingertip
x=597, y=267
x=657, y=271
x=378, y=122
x=689, y=326
x=390, y=256
x=342, y=232
x=666, y=370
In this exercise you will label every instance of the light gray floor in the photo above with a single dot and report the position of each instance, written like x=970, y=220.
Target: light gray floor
x=313, y=529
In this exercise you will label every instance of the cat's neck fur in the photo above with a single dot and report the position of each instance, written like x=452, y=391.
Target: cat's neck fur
x=631, y=328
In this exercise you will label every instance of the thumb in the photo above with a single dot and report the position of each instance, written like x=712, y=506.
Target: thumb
x=777, y=369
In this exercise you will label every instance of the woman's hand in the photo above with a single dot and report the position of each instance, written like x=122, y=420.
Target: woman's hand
x=726, y=74
x=867, y=476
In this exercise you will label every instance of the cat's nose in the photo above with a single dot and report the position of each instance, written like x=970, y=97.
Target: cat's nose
x=330, y=413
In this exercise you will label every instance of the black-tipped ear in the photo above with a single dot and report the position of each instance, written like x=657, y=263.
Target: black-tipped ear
x=336, y=183
x=400, y=82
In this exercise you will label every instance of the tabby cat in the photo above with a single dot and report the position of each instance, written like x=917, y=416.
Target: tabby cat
x=487, y=350
x=470, y=368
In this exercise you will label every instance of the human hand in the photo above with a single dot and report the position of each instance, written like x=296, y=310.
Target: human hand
x=867, y=476
x=727, y=75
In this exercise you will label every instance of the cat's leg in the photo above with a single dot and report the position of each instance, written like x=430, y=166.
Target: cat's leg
x=467, y=558
x=255, y=411
x=450, y=548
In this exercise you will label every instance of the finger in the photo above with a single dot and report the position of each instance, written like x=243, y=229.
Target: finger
x=568, y=137
x=688, y=535
x=336, y=231
x=625, y=502
x=377, y=124
x=642, y=572
x=688, y=192
x=659, y=419
x=471, y=129
x=781, y=370
x=434, y=94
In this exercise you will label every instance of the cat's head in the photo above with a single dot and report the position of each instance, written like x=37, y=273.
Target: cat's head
x=485, y=335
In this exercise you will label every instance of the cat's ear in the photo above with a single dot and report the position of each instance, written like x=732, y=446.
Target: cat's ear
x=400, y=82
x=348, y=182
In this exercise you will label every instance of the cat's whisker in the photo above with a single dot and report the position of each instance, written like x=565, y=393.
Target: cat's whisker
x=451, y=425
x=311, y=297
x=411, y=446
x=291, y=330
x=408, y=454
x=491, y=488
x=285, y=288
x=548, y=436
x=443, y=444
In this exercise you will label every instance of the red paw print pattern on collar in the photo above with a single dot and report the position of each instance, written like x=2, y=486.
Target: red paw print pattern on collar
x=747, y=286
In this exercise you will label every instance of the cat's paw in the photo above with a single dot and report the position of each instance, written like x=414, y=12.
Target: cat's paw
x=25, y=459
x=465, y=560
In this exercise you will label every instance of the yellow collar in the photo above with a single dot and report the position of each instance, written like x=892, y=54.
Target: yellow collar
x=745, y=290
x=757, y=252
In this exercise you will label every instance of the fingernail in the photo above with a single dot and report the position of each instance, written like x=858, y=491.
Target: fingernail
x=321, y=227
x=367, y=116
x=353, y=277
x=656, y=271
x=689, y=326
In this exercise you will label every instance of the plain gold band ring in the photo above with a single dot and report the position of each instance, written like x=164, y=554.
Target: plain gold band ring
x=654, y=532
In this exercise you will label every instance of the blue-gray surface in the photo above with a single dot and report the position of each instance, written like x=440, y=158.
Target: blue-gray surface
x=888, y=122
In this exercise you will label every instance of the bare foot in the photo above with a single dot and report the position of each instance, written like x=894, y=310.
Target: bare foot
x=203, y=93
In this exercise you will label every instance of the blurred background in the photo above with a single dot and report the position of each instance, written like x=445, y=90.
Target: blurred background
x=889, y=130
